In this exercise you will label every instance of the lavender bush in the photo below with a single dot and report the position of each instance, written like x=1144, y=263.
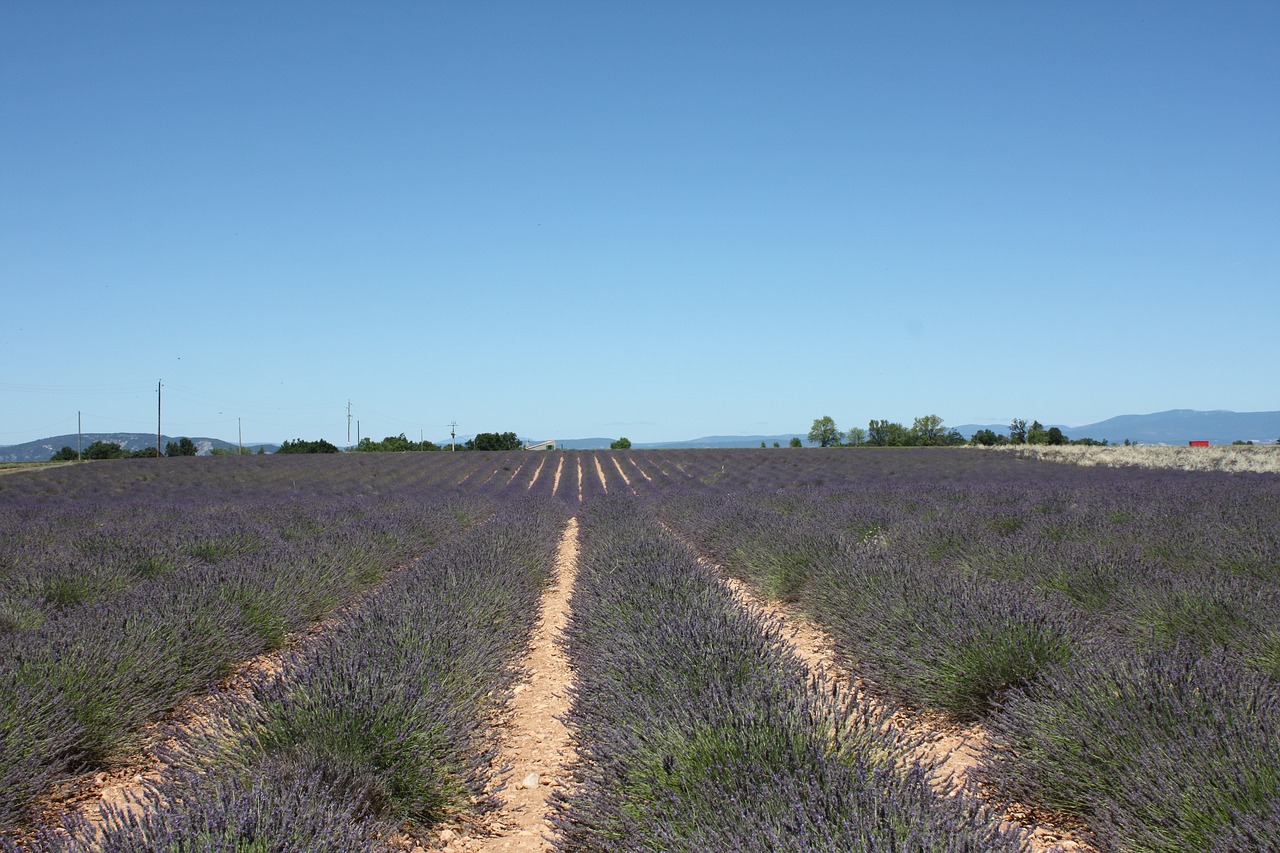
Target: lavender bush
x=697, y=730
x=1139, y=607
x=1158, y=751
x=278, y=810
x=220, y=583
x=385, y=719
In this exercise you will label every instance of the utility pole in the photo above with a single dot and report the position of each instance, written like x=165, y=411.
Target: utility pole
x=79, y=437
x=357, y=432
x=348, y=424
x=239, y=437
x=158, y=387
x=453, y=427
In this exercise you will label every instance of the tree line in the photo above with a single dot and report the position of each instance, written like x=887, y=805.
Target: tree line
x=930, y=431
x=401, y=444
x=110, y=450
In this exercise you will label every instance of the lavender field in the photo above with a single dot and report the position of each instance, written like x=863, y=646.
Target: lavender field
x=1113, y=632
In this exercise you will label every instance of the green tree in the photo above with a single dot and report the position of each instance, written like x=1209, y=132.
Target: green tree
x=1056, y=437
x=495, y=441
x=182, y=447
x=66, y=454
x=928, y=431
x=1037, y=434
x=104, y=450
x=1018, y=431
x=887, y=434
x=623, y=443
x=988, y=438
x=393, y=444
x=796, y=442
x=856, y=437
x=300, y=446
x=144, y=453
x=824, y=433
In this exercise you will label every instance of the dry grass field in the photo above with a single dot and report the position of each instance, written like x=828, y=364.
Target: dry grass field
x=1257, y=458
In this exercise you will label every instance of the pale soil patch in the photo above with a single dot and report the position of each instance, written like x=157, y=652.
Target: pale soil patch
x=953, y=749
x=15, y=467
x=636, y=465
x=516, y=473
x=536, y=474
x=535, y=749
x=604, y=484
x=579, y=461
x=623, y=475
x=555, y=484
x=1257, y=458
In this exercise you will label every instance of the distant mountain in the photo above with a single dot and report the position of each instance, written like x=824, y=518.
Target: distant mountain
x=1176, y=426
x=585, y=443
x=724, y=441
x=967, y=430
x=41, y=449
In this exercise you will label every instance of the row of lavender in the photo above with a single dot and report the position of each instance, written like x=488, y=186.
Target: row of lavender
x=697, y=729
x=129, y=587
x=1117, y=631
x=384, y=722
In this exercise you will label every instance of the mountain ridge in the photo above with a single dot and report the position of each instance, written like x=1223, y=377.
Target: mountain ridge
x=42, y=448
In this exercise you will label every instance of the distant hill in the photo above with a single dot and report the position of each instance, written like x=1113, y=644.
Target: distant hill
x=726, y=441
x=41, y=449
x=585, y=443
x=1176, y=426
x=705, y=441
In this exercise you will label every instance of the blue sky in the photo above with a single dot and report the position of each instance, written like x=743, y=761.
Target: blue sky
x=658, y=219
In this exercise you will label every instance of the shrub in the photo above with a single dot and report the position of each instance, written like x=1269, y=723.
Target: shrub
x=1159, y=751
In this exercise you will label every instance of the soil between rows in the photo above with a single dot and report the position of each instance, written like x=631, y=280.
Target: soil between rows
x=536, y=749
x=954, y=749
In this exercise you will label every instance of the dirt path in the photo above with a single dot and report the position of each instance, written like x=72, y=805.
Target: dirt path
x=956, y=749
x=536, y=744
x=555, y=484
x=643, y=473
x=623, y=475
x=536, y=475
x=604, y=484
x=18, y=467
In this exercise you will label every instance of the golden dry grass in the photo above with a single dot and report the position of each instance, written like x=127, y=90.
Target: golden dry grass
x=1258, y=458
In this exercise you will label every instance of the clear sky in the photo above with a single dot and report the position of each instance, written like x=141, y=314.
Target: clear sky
x=654, y=219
